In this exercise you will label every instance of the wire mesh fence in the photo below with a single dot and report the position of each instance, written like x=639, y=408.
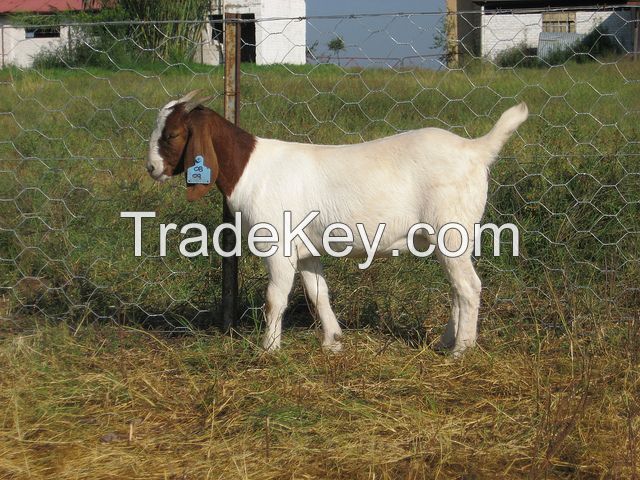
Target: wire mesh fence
x=78, y=103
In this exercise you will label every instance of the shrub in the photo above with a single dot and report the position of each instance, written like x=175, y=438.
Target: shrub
x=519, y=56
x=98, y=43
x=89, y=46
x=174, y=41
x=596, y=44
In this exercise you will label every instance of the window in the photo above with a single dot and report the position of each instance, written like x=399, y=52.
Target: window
x=559, y=22
x=248, y=39
x=247, y=35
x=42, y=32
x=217, y=28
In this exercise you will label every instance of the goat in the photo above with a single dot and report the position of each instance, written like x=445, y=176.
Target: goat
x=422, y=176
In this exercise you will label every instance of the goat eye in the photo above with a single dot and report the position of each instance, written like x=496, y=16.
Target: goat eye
x=169, y=136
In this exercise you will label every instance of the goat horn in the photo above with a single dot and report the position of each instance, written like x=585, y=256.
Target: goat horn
x=188, y=106
x=189, y=95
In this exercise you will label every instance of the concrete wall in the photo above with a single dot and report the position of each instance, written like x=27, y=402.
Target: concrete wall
x=502, y=31
x=18, y=50
x=618, y=23
x=282, y=41
x=277, y=41
x=213, y=51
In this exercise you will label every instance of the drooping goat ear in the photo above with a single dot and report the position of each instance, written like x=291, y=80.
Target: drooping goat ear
x=199, y=156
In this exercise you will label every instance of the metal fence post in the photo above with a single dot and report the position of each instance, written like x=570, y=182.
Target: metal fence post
x=231, y=113
x=2, y=35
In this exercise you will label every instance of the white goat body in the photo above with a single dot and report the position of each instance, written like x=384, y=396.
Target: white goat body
x=423, y=176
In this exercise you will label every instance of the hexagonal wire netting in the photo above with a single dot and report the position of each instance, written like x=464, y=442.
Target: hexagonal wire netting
x=75, y=119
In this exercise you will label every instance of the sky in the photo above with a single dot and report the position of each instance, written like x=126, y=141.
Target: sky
x=377, y=40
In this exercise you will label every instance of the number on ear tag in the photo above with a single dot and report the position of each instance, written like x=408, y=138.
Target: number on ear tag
x=199, y=173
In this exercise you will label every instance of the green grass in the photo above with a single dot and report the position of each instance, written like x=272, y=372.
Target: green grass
x=73, y=142
x=552, y=392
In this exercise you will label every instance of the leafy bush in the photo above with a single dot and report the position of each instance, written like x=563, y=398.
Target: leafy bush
x=597, y=44
x=97, y=41
x=174, y=41
x=519, y=56
x=89, y=42
x=89, y=46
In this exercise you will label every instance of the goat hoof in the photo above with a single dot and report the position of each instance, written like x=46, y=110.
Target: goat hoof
x=444, y=345
x=271, y=346
x=457, y=353
x=333, y=347
x=459, y=350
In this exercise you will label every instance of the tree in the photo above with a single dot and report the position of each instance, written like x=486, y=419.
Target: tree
x=442, y=39
x=336, y=46
x=311, y=50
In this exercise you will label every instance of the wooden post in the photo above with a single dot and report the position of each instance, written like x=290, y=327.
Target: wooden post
x=450, y=26
x=2, y=34
x=231, y=113
x=636, y=32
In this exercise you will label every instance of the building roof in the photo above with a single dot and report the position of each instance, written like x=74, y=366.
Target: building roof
x=47, y=6
x=548, y=3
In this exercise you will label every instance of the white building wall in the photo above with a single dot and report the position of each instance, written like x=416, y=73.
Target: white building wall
x=212, y=52
x=277, y=41
x=502, y=31
x=282, y=41
x=19, y=51
x=618, y=23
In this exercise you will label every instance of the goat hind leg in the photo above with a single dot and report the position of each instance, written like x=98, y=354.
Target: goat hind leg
x=318, y=292
x=467, y=288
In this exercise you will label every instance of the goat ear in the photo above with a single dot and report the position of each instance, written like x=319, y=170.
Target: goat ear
x=200, y=144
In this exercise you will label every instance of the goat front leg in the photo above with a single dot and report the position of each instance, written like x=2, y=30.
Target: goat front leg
x=448, y=338
x=318, y=292
x=281, y=273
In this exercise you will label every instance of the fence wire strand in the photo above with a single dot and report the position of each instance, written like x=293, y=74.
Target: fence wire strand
x=77, y=109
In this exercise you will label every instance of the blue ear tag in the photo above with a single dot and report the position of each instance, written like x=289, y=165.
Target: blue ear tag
x=199, y=173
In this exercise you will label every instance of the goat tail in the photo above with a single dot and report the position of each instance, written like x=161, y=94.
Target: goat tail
x=508, y=122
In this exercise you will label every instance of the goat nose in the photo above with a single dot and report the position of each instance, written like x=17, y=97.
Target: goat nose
x=149, y=168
